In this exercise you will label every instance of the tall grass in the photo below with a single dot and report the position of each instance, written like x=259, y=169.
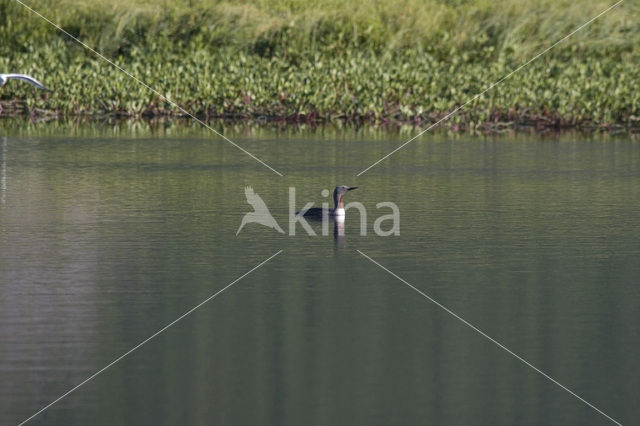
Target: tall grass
x=514, y=27
x=402, y=59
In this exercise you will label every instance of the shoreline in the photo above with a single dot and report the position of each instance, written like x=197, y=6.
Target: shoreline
x=500, y=120
x=323, y=63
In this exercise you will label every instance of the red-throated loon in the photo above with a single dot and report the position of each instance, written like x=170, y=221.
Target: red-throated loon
x=338, y=193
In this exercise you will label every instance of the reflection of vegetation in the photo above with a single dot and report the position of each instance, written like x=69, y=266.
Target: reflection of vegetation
x=409, y=60
x=171, y=127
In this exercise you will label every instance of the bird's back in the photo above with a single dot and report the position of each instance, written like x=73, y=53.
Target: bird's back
x=316, y=212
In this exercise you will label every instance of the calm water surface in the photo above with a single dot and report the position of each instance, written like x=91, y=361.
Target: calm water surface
x=104, y=241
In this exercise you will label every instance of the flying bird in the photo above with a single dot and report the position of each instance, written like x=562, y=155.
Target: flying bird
x=260, y=214
x=5, y=77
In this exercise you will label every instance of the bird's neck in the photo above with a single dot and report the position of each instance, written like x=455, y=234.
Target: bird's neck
x=339, y=210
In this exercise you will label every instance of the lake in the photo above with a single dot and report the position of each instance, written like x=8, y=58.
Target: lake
x=106, y=238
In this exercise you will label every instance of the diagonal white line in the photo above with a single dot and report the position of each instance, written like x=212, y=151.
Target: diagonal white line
x=500, y=345
x=491, y=87
x=147, y=339
x=175, y=105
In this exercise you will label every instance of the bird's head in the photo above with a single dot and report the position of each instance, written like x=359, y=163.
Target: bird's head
x=341, y=190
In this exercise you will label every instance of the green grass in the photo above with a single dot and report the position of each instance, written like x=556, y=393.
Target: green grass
x=408, y=60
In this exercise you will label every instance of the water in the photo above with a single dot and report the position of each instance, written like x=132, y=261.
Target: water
x=106, y=240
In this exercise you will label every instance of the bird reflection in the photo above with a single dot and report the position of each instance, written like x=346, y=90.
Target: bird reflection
x=338, y=232
x=338, y=227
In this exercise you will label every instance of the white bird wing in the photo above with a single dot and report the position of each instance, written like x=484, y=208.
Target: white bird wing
x=255, y=200
x=26, y=78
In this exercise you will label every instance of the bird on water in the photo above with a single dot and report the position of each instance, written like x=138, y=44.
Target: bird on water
x=338, y=210
x=5, y=77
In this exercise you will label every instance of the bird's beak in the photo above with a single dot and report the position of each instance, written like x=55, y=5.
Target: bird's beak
x=351, y=188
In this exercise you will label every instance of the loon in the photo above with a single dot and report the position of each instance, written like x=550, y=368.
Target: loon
x=24, y=77
x=338, y=193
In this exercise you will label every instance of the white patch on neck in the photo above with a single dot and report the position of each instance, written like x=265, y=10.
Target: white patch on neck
x=339, y=212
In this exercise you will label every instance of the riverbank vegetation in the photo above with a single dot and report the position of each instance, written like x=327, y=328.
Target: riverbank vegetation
x=378, y=61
